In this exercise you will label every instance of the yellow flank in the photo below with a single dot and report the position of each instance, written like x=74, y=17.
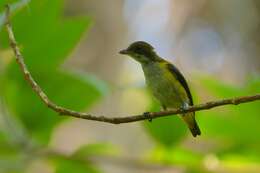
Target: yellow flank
x=167, y=74
x=164, y=85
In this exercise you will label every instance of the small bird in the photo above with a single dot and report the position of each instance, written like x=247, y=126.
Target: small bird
x=164, y=80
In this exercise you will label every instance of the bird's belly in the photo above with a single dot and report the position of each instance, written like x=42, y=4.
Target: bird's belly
x=166, y=90
x=167, y=94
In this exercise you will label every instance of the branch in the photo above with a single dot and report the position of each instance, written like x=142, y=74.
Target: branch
x=114, y=120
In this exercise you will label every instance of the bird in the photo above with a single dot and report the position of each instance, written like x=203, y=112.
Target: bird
x=164, y=80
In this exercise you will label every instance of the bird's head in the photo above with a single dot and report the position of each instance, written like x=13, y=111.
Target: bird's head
x=141, y=52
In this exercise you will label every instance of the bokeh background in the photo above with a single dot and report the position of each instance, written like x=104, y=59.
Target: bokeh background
x=71, y=48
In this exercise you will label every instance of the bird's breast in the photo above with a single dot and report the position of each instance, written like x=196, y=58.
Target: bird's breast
x=164, y=86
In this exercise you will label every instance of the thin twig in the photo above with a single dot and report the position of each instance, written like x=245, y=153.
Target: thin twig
x=114, y=120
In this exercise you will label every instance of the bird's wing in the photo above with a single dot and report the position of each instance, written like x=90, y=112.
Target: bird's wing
x=189, y=118
x=177, y=74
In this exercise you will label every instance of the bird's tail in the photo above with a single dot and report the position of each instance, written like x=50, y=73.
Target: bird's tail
x=190, y=120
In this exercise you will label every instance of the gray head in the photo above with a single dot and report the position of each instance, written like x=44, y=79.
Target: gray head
x=141, y=52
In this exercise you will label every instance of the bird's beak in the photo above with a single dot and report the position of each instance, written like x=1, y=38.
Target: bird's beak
x=124, y=52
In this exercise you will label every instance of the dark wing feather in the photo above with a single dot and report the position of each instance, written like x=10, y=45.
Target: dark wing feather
x=177, y=74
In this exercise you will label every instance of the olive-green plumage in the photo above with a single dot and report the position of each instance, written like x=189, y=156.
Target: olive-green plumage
x=164, y=80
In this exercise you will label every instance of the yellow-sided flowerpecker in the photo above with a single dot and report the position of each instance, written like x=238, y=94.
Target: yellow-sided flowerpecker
x=164, y=80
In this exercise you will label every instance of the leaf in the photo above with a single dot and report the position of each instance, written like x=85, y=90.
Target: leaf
x=177, y=156
x=95, y=149
x=234, y=126
x=46, y=40
x=167, y=131
x=15, y=5
x=68, y=166
x=219, y=88
x=63, y=88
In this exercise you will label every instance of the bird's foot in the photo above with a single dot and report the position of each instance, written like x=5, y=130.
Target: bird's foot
x=163, y=108
x=148, y=116
x=184, y=107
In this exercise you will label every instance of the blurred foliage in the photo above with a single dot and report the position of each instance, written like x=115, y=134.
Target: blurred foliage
x=78, y=161
x=68, y=166
x=167, y=131
x=236, y=125
x=14, y=7
x=177, y=155
x=45, y=39
x=95, y=149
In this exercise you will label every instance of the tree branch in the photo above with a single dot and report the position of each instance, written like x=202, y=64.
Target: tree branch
x=114, y=120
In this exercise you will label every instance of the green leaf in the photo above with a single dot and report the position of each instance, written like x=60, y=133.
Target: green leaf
x=63, y=88
x=220, y=89
x=15, y=5
x=167, y=131
x=68, y=166
x=177, y=156
x=95, y=149
x=46, y=40
x=235, y=127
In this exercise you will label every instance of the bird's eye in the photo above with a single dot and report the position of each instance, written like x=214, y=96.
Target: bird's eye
x=139, y=50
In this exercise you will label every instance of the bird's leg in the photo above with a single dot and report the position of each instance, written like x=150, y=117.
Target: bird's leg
x=184, y=106
x=148, y=116
x=164, y=108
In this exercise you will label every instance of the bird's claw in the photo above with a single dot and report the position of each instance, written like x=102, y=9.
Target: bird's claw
x=148, y=116
x=184, y=107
